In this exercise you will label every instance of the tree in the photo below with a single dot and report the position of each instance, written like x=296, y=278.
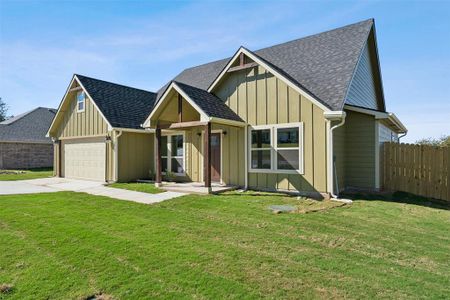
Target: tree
x=439, y=142
x=3, y=110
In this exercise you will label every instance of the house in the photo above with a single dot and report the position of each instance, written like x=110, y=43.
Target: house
x=305, y=116
x=23, y=144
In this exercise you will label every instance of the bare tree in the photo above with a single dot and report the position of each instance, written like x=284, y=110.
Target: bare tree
x=442, y=141
x=3, y=110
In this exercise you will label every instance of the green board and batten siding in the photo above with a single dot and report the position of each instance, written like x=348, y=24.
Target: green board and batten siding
x=87, y=123
x=136, y=156
x=233, y=152
x=354, y=151
x=81, y=126
x=260, y=98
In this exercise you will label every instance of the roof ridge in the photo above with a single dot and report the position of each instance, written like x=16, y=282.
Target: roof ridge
x=126, y=86
x=18, y=117
x=294, y=40
x=316, y=34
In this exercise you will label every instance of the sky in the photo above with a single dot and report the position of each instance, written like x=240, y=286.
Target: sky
x=145, y=44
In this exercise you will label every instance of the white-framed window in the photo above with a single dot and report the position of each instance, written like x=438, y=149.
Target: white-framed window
x=276, y=148
x=172, y=154
x=81, y=99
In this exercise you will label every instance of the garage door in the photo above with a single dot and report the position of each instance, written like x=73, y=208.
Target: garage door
x=85, y=161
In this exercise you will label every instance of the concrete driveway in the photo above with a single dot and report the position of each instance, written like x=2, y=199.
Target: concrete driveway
x=50, y=185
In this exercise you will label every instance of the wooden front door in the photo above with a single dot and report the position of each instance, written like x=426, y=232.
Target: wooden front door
x=215, y=157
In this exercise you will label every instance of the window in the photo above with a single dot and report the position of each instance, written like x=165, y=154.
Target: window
x=276, y=148
x=172, y=154
x=81, y=96
x=288, y=148
x=261, y=154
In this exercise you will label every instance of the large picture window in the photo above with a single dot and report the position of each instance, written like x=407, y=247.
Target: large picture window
x=172, y=154
x=276, y=148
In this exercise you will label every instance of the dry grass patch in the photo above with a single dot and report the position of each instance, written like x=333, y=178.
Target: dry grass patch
x=6, y=288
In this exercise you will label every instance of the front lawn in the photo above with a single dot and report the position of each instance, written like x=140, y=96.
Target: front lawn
x=73, y=245
x=138, y=187
x=6, y=175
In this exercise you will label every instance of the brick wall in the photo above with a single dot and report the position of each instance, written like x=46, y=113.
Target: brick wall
x=25, y=156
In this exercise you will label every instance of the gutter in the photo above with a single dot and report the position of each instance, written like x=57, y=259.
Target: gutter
x=333, y=180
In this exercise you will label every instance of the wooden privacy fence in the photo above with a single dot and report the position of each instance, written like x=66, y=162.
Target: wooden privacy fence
x=417, y=169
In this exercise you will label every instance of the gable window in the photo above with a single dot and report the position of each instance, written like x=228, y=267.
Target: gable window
x=81, y=97
x=172, y=154
x=277, y=148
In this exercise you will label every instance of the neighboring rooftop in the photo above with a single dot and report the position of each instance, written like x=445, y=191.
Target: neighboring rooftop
x=30, y=126
x=122, y=106
x=322, y=64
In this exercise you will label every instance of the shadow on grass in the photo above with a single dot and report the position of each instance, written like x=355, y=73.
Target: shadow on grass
x=398, y=197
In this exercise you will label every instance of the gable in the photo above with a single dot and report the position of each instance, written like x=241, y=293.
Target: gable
x=320, y=66
x=71, y=123
x=259, y=97
x=169, y=111
x=365, y=88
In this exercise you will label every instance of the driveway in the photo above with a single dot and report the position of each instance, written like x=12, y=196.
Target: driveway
x=50, y=185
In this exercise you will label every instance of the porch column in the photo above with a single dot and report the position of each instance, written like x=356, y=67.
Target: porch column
x=158, y=157
x=207, y=156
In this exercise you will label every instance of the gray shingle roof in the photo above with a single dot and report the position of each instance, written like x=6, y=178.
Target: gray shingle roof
x=122, y=106
x=210, y=104
x=31, y=126
x=321, y=64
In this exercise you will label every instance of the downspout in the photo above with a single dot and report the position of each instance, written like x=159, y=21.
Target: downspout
x=403, y=135
x=246, y=157
x=330, y=117
x=116, y=154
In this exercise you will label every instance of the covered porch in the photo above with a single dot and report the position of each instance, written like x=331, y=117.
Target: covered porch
x=195, y=135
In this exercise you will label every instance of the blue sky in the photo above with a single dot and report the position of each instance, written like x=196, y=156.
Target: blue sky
x=146, y=43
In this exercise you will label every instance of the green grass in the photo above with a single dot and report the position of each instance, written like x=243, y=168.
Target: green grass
x=7, y=175
x=71, y=245
x=139, y=187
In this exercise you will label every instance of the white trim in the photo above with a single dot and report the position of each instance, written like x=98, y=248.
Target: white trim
x=202, y=179
x=380, y=115
x=274, y=148
x=227, y=122
x=64, y=99
x=93, y=102
x=246, y=157
x=330, y=156
x=169, y=155
x=220, y=131
x=329, y=117
x=134, y=130
x=78, y=102
x=376, y=114
x=271, y=70
x=173, y=85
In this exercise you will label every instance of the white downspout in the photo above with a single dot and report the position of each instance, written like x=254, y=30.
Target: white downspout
x=116, y=154
x=246, y=157
x=333, y=116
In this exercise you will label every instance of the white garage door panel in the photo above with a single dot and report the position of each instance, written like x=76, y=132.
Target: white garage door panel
x=85, y=161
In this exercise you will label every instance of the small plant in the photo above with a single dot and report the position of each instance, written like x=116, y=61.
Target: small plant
x=170, y=176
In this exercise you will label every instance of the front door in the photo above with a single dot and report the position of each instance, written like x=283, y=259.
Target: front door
x=215, y=157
